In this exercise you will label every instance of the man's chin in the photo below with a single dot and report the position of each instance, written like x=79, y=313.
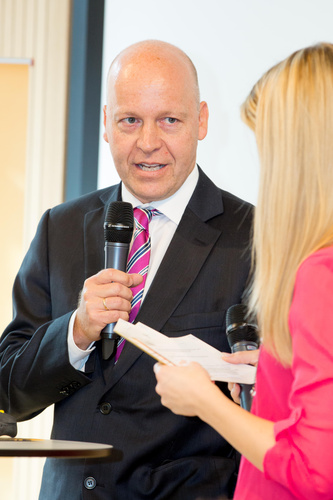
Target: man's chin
x=146, y=196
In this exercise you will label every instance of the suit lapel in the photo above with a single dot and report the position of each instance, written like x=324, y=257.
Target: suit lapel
x=93, y=242
x=188, y=251
x=94, y=233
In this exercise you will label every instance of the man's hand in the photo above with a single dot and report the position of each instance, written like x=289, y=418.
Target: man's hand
x=104, y=299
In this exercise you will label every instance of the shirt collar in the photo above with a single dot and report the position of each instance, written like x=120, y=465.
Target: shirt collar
x=174, y=206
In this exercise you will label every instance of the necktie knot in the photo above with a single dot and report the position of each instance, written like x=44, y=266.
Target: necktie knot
x=143, y=216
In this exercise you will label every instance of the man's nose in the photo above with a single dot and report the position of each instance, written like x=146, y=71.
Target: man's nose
x=149, y=138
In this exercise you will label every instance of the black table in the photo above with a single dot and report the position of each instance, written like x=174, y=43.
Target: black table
x=16, y=447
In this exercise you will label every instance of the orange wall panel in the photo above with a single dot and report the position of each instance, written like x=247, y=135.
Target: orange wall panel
x=14, y=81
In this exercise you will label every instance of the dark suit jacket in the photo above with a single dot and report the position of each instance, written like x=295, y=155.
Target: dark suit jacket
x=164, y=456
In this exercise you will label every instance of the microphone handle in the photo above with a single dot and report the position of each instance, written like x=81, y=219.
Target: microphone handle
x=245, y=393
x=246, y=396
x=115, y=257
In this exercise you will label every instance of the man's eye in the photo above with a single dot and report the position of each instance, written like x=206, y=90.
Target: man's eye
x=169, y=119
x=130, y=120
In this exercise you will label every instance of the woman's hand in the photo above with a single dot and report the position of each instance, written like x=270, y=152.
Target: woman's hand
x=247, y=357
x=182, y=387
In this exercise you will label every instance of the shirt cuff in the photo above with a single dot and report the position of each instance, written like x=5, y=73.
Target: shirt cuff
x=77, y=357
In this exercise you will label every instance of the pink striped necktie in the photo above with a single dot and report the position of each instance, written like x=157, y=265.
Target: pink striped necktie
x=138, y=261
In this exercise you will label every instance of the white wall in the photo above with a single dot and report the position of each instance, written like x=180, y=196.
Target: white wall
x=231, y=42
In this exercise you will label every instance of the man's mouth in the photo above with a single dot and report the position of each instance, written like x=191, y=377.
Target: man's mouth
x=153, y=167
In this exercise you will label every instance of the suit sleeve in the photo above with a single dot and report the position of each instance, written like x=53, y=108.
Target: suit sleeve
x=35, y=371
x=301, y=460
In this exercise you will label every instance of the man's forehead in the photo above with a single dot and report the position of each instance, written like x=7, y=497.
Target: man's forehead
x=136, y=70
x=141, y=84
x=154, y=99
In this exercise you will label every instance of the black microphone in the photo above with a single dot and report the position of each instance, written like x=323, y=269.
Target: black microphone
x=8, y=426
x=242, y=336
x=118, y=231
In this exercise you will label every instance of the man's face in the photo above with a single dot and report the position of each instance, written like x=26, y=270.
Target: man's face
x=152, y=124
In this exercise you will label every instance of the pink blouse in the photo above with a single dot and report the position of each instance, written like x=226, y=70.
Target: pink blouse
x=298, y=399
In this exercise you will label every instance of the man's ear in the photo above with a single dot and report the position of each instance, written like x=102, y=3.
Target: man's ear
x=105, y=136
x=203, y=120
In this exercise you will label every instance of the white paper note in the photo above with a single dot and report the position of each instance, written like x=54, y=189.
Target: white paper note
x=183, y=350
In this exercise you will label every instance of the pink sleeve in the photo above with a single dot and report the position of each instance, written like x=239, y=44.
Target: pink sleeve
x=302, y=459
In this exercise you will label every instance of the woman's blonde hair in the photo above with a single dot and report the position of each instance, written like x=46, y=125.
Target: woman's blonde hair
x=290, y=110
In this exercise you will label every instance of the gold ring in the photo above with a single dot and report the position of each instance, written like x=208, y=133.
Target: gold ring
x=105, y=306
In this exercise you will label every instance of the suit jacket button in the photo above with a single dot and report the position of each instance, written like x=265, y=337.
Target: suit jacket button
x=89, y=483
x=105, y=408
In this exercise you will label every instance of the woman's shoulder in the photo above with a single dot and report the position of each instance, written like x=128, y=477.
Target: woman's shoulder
x=314, y=283
x=322, y=258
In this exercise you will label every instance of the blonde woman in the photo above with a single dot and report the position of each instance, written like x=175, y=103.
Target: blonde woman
x=287, y=440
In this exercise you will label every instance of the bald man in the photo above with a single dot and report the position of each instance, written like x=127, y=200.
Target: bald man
x=199, y=264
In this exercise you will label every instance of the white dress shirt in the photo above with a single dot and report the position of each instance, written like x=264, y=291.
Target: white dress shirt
x=161, y=230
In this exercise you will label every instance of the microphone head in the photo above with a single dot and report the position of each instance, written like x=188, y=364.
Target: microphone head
x=119, y=222
x=238, y=330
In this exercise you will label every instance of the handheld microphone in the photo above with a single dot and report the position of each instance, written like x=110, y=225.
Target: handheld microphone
x=118, y=231
x=241, y=336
